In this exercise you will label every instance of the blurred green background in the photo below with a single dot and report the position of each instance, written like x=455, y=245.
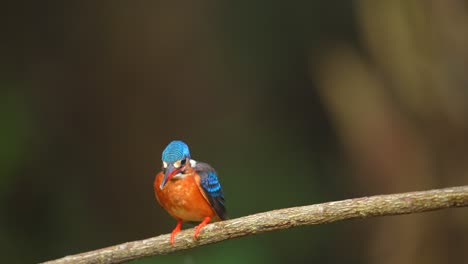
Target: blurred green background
x=293, y=103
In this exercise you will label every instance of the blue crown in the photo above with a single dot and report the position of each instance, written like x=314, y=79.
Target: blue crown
x=176, y=150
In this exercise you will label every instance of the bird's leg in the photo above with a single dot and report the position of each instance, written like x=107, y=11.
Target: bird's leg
x=176, y=230
x=199, y=227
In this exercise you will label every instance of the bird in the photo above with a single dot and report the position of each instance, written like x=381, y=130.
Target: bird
x=187, y=189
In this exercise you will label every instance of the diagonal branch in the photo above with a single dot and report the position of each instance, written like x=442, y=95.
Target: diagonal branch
x=366, y=207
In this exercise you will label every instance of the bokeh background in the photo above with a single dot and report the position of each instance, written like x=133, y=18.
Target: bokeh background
x=293, y=103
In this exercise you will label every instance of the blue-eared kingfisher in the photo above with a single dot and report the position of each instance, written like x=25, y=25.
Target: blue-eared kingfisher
x=187, y=189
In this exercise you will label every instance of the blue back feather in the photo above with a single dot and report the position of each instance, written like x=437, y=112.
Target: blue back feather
x=212, y=188
x=176, y=150
x=211, y=184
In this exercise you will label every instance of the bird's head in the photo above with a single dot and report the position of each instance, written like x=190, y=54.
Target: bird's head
x=175, y=159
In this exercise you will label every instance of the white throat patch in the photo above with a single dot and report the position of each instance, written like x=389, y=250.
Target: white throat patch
x=179, y=176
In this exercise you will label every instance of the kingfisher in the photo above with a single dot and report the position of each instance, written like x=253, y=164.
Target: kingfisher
x=187, y=189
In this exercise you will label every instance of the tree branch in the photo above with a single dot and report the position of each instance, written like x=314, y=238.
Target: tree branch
x=366, y=207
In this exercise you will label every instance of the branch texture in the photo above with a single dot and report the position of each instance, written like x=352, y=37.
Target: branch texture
x=366, y=207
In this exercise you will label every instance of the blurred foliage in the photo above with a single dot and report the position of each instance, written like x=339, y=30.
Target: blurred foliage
x=14, y=135
x=292, y=103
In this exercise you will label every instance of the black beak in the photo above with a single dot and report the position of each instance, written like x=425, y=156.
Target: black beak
x=170, y=171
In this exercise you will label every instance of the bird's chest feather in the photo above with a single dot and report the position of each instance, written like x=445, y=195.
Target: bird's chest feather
x=182, y=198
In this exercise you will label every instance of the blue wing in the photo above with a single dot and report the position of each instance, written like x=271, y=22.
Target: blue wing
x=212, y=188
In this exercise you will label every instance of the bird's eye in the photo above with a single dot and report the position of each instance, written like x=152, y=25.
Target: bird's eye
x=164, y=164
x=179, y=163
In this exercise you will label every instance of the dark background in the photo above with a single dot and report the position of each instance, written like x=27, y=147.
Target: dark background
x=293, y=103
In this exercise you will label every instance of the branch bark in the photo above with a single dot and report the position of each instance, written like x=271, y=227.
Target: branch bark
x=365, y=207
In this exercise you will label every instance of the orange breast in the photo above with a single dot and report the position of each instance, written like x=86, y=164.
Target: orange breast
x=183, y=199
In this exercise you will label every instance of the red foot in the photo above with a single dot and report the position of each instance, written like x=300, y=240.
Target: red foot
x=175, y=231
x=199, y=227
